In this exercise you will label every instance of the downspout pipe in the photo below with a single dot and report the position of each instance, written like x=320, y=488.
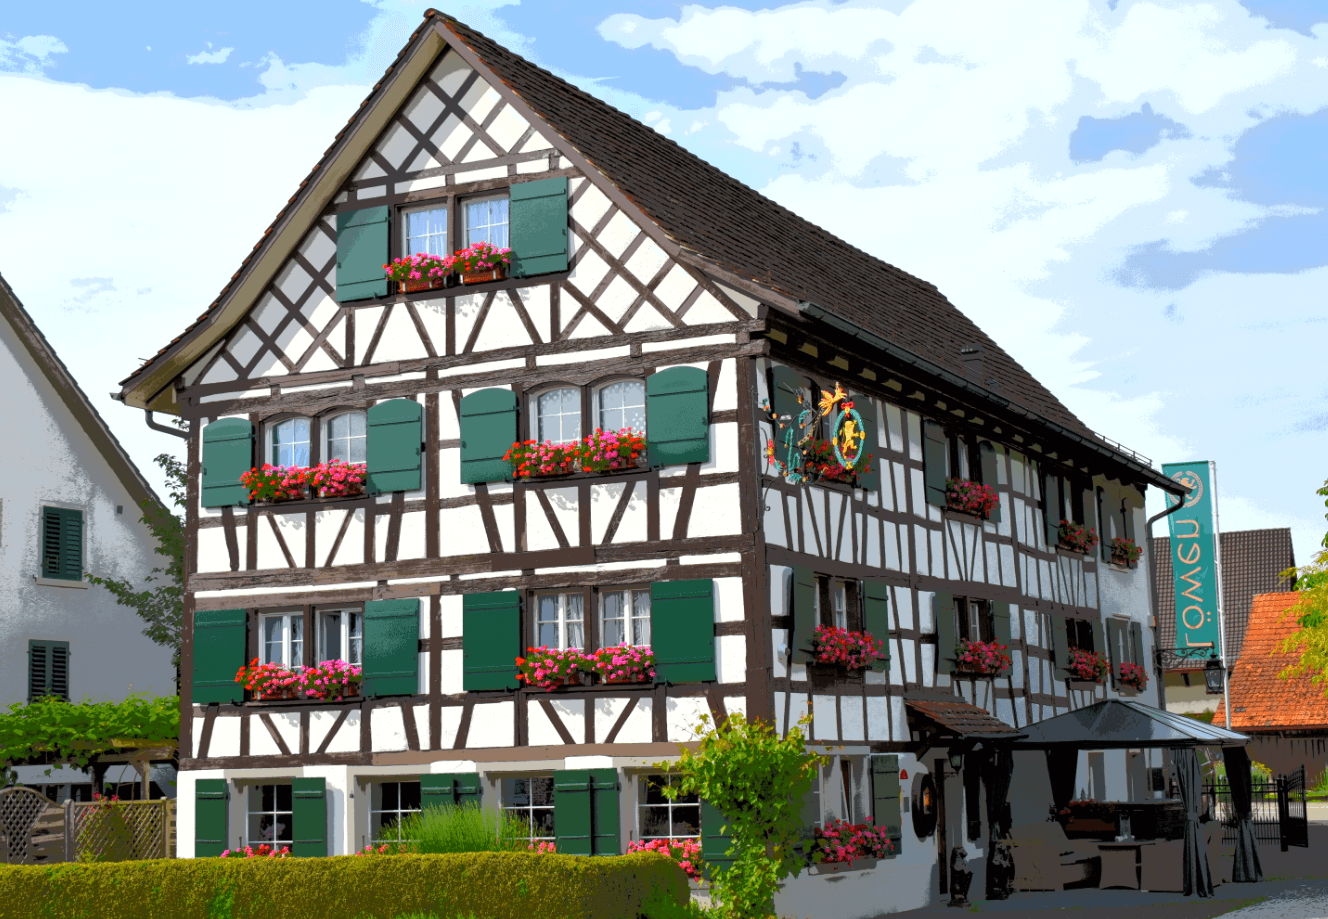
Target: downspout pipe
x=176, y=432
x=1152, y=599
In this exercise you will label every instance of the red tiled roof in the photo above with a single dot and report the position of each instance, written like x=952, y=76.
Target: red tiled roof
x=1260, y=699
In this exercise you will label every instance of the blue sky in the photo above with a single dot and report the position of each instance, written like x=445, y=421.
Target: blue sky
x=1127, y=194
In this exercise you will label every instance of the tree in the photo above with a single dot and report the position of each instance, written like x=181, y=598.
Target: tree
x=160, y=602
x=1310, y=639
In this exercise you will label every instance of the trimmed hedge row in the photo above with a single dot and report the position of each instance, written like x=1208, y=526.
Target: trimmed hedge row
x=487, y=885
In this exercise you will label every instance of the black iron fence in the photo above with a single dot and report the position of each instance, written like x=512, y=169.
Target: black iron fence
x=1277, y=808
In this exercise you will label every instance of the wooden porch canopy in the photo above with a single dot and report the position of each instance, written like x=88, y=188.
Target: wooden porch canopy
x=1121, y=724
x=946, y=722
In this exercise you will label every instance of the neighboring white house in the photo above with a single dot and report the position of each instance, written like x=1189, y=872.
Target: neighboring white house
x=69, y=505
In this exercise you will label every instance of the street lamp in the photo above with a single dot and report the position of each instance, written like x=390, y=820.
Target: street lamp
x=1213, y=674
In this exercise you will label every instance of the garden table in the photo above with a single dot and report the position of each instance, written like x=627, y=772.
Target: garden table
x=1120, y=862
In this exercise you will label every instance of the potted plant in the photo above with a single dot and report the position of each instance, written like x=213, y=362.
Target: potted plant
x=820, y=463
x=420, y=272
x=335, y=680
x=338, y=479
x=1133, y=676
x=549, y=668
x=605, y=451
x=269, y=681
x=1077, y=538
x=1088, y=666
x=973, y=498
x=531, y=459
x=845, y=648
x=275, y=483
x=985, y=657
x=1125, y=552
x=840, y=843
x=481, y=262
x=623, y=664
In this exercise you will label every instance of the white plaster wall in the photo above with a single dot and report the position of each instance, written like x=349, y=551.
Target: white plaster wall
x=52, y=461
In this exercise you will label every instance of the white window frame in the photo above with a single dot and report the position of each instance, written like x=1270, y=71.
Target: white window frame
x=536, y=416
x=287, y=640
x=374, y=789
x=598, y=409
x=642, y=806
x=563, y=620
x=839, y=603
x=256, y=789
x=527, y=809
x=631, y=626
x=269, y=435
x=325, y=434
x=406, y=249
x=347, y=633
x=466, y=228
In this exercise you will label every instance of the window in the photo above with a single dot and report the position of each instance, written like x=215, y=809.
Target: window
x=282, y=638
x=622, y=405
x=290, y=442
x=270, y=815
x=624, y=618
x=531, y=799
x=424, y=230
x=48, y=669
x=836, y=791
x=975, y=622
x=1079, y=634
x=389, y=802
x=660, y=818
x=486, y=220
x=346, y=438
x=341, y=636
x=836, y=603
x=559, y=622
x=1121, y=634
x=62, y=544
x=558, y=415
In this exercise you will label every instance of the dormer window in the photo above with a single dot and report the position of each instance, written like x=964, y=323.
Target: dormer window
x=346, y=438
x=289, y=442
x=486, y=220
x=425, y=230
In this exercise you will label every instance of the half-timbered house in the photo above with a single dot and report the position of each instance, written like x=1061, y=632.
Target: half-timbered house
x=648, y=290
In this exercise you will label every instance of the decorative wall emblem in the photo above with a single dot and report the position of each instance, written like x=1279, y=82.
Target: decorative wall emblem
x=798, y=455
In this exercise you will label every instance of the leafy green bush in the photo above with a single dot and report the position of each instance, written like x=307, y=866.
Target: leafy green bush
x=462, y=828
x=74, y=732
x=489, y=885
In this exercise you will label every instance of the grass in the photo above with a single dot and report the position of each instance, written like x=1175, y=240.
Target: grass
x=462, y=828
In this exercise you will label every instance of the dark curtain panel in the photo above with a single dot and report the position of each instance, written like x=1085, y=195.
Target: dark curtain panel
x=1194, y=874
x=1246, y=866
x=1000, y=865
x=1062, y=764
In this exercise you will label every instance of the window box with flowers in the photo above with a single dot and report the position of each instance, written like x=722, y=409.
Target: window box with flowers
x=623, y=664
x=1133, y=676
x=1125, y=552
x=1076, y=537
x=1087, y=666
x=843, y=846
x=421, y=272
x=972, y=498
x=552, y=668
x=481, y=262
x=602, y=452
x=277, y=484
x=332, y=681
x=986, y=658
x=846, y=649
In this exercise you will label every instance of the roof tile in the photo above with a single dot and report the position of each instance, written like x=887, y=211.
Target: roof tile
x=1260, y=698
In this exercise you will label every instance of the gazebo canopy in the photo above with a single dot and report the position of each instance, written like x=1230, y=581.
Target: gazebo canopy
x=1117, y=723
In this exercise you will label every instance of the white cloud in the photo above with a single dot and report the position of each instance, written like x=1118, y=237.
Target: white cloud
x=30, y=54
x=209, y=57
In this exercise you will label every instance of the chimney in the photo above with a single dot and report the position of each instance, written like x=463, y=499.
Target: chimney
x=970, y=356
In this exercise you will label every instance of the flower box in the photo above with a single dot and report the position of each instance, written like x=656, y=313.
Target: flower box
x=420, y=271
x=972, y=498
x=820, y=464
x=497, y=273
x=338, y=479
x=1088, y=666
x=1076, y=537
x=412, y=287
x=329, y=680
x=1082, y=684
x=552, y=668
x=602, y=451
x=481, y=262
x=981, y=658
x=269, y=483
x=843, y=844
x=623, y=664
x=858, y=864
x=845, y=648
x=1125, y=552
x=1132, y=676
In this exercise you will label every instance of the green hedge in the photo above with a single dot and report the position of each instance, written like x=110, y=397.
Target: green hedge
x=487, y=885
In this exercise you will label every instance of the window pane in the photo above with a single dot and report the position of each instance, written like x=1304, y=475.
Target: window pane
x=575, y=628
x=297, y=640
x=356, y=639
x=559, y=415
x=283, y=797
x=409, y=793
x=546, y=626
x=641, y=617
x=541, y=791
x=290, y=442
x=346, y=438
x=686, y=820
x=516, y=792
x=426, y=231
x=651, y=785
x=486, y=220
x=541, y=822
x=623, y=405
x=273, y=646
x=331, y=637
x=654, y=822
x=612, y=626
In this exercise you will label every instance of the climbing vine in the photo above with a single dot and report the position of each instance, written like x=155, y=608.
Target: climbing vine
x=76, y=732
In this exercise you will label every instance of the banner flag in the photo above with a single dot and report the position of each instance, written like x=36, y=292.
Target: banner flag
x=1194, y=562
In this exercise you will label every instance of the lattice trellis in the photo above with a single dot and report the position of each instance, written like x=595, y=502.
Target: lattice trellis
x=120, y=832
x=20, y=808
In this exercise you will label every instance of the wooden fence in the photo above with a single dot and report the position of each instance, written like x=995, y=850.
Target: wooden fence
x=36, y=831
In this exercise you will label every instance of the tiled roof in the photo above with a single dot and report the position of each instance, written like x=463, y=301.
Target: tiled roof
x=1260, y=699
x=963, y=719
x=719, y=218
x=1252, y=563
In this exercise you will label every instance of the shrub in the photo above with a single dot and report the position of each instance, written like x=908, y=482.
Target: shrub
x=462, y=828
x=489, y=885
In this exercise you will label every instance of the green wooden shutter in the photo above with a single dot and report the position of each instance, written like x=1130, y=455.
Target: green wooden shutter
x=572, y=814
x=1100, y=511
x=876, y=616
x=467, y=788
x=455, y=788
x=228, y=453
x=678, y=416
x=715, y=841
x=62, y=543
x=220, y=644
x=1137, y=644
x=1114, y=629
x=395, y=433
x=309, y=817
x=1060, y=646
x=1099, y=639
x=48, y=669
x=604, y=812
x=488, y=430
x=362, y=250
x=538, y=226
x=490, y=639
x=1088, y=500
x=1052, y=507
x=935, y=450
x=886, y=810
x=210, y=808
x=942, y=606
x=391, y=647
x=1127, y=519
x=804, y=614
x=682, y=629
x=990, y=476
x=1000, y=621
x=866, y=410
